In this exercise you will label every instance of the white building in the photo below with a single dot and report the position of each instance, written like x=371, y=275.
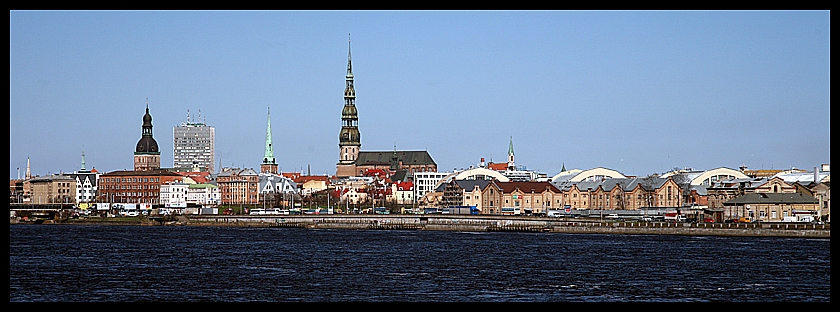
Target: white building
x=402, y=193
x=86, y=183
x=174, y=195
x=204, y=195
x=425, y=182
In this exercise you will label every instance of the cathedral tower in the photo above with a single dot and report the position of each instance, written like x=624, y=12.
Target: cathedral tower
x=349, y=139
x=147, y=154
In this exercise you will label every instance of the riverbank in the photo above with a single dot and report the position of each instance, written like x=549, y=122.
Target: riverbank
x=478, y=223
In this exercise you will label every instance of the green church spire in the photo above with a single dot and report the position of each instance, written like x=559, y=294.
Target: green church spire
x=510, y=148
x=269, y=150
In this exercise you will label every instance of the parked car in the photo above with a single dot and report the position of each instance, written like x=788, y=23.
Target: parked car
x=709, y=220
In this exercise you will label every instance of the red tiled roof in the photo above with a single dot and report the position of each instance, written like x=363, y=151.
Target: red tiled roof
x=291, y=175
x=497, y=166
x=304, y=179
x=405, y=186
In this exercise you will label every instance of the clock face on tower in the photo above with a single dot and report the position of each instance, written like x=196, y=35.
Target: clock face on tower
x=154, y=149
x=142, y=148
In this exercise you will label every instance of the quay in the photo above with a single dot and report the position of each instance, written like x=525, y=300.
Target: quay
x=483, y=223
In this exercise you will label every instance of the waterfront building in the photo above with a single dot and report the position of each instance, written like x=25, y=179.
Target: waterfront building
x=822, y=192
x=147, y=153
x=194, y=145
x=596, y=191
x=402, y=193
x=174, y=194
x=309, y=184
x=426, y=182
x=277, y=190
x=431, y=199
x=353, y=194
x=134, y=187
x=238, y=186
x=86, y=184
x=725, y=190
x=462, y=192
x=204, y=195
x=53, y=189
x=187, y=196
x=523, y=197
x=724, y=195
x=772, y=207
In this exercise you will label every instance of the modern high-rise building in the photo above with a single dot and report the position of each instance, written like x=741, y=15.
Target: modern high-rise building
x=194, y=145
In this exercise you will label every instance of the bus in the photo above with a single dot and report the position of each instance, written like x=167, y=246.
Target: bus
x=510, y=211
x=461, y=210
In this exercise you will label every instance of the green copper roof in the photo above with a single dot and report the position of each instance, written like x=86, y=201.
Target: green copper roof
x=510, y=149
x=269, y=150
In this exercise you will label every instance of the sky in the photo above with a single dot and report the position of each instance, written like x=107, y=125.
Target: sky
x=639, y=92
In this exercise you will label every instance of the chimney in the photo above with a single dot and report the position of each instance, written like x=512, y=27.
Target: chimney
x=816, y=175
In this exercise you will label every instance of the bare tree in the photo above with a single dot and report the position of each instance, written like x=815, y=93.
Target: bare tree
x=684, y=182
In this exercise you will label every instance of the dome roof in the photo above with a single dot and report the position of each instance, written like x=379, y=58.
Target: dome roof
x=147, y=145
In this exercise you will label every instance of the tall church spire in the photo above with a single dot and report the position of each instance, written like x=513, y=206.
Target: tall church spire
x=269, y=150
x=268, y=165
x=349, y=62
x=349, y=139
x=511, y=164
x=28, y=171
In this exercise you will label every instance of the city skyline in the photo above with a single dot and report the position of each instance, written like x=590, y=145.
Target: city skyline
x=639, y=92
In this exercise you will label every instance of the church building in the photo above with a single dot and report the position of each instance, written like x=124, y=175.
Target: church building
x=354, y=162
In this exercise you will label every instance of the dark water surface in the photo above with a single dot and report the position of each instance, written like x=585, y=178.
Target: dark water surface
x=94, y=263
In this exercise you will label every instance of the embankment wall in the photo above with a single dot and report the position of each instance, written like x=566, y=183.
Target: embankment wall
x=473, y=223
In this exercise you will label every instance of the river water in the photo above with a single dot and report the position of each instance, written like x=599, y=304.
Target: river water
x=96, y=263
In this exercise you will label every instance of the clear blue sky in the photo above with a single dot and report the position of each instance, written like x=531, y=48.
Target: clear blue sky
x=639, y=92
